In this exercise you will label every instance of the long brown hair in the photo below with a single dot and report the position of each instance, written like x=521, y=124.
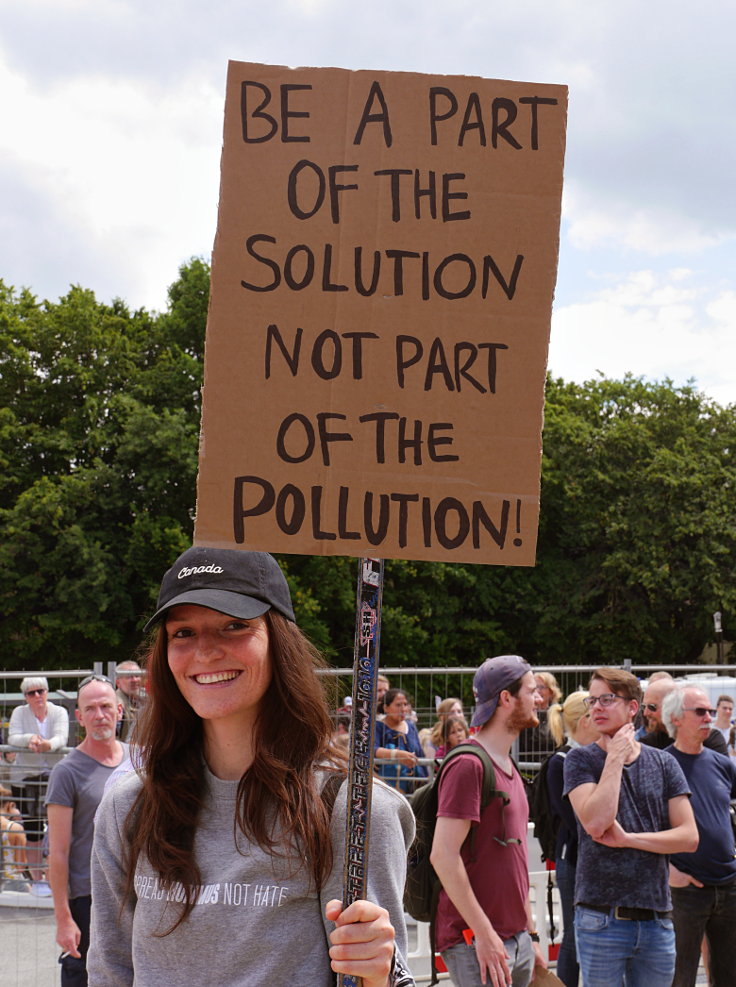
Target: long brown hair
x=443, y=711
x=448, y=723
x=293, y=728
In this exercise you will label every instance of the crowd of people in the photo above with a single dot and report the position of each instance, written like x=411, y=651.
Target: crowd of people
x=230, y=816
x=645, y=861
x=39, y=731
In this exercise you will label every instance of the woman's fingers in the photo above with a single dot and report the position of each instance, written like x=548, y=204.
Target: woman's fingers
x=362, y=940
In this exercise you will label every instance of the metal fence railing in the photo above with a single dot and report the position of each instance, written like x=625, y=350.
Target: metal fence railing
x=27, y=938
x=424, y=687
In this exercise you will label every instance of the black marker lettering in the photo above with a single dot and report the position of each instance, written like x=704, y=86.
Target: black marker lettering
x=309, y=438
x=257, y=113
x=376, y=94
x=534, y=102
x=434, y=115
x=287, y=114
x=318, y=193
x=291, y=357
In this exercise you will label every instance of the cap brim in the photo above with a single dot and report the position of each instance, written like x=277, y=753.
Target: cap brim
x=233, y=604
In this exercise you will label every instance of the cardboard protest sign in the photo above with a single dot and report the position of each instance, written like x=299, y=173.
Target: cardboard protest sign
x=382, y=284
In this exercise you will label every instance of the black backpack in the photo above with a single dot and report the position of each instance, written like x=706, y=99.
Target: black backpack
x=422, y=889
x=546, y=823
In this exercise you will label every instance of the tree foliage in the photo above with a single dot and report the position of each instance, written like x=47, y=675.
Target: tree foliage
x=98, y=455
x=99, y=423
x=638, y=538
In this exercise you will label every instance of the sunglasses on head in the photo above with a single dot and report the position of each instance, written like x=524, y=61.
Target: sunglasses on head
x=94, y=678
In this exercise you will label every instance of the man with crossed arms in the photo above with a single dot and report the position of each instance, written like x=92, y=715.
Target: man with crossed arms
x=632, y=806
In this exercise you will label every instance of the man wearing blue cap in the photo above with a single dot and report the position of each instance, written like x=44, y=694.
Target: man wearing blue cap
x=484, y=926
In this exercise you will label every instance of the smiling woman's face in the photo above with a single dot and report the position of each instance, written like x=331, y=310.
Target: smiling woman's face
x=221, y=664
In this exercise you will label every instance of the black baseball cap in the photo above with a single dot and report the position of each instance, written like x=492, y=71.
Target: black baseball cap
x=241, y=584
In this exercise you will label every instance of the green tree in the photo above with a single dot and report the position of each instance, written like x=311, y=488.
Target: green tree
x=637, y=537
x=637, y=545
x=98, y=448
x=99, y=423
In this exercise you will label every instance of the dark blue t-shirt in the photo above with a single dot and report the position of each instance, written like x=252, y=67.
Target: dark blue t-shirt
x=712, y=781
x=623, y=876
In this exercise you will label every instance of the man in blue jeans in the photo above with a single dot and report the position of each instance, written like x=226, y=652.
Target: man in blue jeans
x=703, y=883
x=633, y=810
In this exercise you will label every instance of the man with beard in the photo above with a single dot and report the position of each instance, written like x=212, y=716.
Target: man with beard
x=657, y=735
x=484, y=873
x=75, y=789
x=633, y=810
x=129, y=694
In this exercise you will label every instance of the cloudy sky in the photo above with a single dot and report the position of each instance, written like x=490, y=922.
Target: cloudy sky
x=112, y=122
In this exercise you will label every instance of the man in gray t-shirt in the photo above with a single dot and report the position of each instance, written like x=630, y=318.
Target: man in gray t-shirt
x=75, y=789
x=633, y=810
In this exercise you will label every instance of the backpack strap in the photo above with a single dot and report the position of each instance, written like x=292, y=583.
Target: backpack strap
x=488, y=790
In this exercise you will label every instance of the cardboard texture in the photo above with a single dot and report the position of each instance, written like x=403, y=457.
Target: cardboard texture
x=545, y=978
x=382, y=284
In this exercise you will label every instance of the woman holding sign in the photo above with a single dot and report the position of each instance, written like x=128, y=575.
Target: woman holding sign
x=233, y=832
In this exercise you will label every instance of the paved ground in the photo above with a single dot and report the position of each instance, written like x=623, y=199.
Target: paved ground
x=29, y=953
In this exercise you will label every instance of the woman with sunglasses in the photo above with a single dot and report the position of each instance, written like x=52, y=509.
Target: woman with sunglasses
x=41, y=729
x=222, y=860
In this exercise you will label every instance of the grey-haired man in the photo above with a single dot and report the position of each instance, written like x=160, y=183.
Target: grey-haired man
x=486, y=888
x=703, y=883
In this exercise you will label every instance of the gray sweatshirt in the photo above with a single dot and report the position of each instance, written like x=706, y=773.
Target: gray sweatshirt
x=255, y=922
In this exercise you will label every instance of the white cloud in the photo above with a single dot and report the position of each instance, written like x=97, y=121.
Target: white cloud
x=654, y=326
x=612, y=221
x=131, y=168
x=112, y=122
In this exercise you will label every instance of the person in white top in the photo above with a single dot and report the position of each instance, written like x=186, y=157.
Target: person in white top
x=42, y=728
x=724, y=713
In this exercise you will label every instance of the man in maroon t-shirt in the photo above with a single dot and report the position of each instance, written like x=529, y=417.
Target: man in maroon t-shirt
x=486, y=889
